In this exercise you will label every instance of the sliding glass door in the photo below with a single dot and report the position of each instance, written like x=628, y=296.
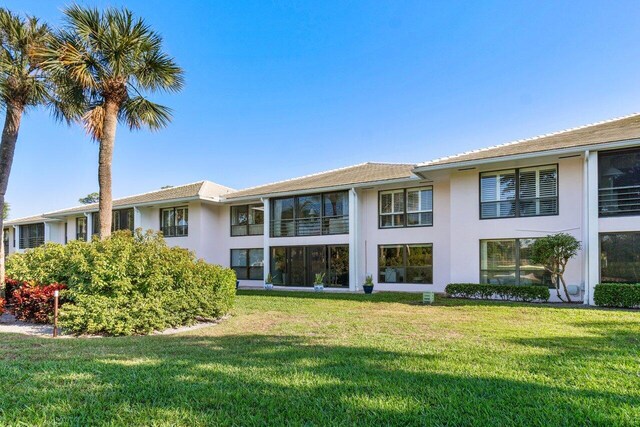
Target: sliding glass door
x=298, y=265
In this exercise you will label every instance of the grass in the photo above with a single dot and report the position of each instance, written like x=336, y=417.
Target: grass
x=340, y=359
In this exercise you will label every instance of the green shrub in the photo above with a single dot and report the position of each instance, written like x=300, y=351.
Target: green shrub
x=128, y=284
x=617, y=295
x=504, y=292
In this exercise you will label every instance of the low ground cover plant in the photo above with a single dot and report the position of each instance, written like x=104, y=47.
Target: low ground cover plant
x=504, y=292
x=127, y=284
x=617, y=295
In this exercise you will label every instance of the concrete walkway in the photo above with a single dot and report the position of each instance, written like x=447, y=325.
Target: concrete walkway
x=9, y=324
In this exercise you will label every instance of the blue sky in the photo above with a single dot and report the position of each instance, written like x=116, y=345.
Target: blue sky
x=280, y=89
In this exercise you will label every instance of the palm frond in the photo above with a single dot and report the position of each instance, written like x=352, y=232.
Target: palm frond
x=138, y=112
x=93, y=120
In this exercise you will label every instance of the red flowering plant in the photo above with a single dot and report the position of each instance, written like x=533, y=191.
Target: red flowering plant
x=1, y=306
x=10, y=285
x=34, y=303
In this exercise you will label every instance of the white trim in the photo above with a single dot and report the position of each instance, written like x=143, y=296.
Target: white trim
x=560, y=151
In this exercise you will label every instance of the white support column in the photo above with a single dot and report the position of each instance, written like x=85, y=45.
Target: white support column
x=353, y=240
x=137, y=218
x=266, y=238
x=591, y=243
x=89, y=226
x=47, y=232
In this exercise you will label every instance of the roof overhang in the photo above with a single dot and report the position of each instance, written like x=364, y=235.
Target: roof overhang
x=420, y=170
x=316, y=190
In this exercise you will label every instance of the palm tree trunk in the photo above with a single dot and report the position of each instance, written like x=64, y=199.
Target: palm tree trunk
x=7, y=150
x=105, y=204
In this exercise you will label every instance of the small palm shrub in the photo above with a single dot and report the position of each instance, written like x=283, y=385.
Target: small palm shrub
x=128, y=284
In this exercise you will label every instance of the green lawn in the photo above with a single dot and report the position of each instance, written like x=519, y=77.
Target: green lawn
x=302, y=358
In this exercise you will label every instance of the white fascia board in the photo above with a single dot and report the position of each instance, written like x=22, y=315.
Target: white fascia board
x=559, y=151
x=319, y=190
x=134, y=205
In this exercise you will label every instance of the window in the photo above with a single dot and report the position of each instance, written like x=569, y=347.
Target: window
x=405, y=264
x=81, y=228
x=411, y=207
x=506, y=262
x=310, y=215
x=620, y=257
x=247, y=220
x=298, y=265
x=174, y=222
x=32, y=235
x=619, y=183
x=248, y=263
x=519, y=192
x=121, y=220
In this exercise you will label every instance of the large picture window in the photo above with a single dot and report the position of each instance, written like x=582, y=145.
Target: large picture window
x=619, y=182
x=506, y=262
x=174, y=222
x=412, y=207
x=519, y=192
x=310, y=215
x=247, y=220
x=405, y=263
x=248, y=263
x=81, y=228
x=31, y=236
x=620, y=257
x=298, y=265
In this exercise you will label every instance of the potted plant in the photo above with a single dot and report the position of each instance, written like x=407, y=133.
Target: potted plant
x=368, y=284
x=268, y=284
x=318, y=282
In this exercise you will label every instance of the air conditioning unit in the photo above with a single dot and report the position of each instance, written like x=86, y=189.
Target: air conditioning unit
x=428, y=297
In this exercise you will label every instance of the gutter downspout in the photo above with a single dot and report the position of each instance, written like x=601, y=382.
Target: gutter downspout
x=585, y=233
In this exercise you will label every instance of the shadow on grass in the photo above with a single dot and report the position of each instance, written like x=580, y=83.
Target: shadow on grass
x=267, y=379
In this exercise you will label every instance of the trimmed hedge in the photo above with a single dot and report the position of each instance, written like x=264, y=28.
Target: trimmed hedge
x=128, y=284
x=617, y=295
x=504, y=292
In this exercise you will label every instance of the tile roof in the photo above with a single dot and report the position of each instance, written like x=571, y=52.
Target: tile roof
x=197, y=190
x=24, y=220
x=618, y=129
x=351, y=175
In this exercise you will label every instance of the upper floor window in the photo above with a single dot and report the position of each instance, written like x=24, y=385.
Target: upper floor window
x=31, y=235
x=412, y=207
x=310, y=215
x=506, y=262
x=519, y=192
x=174, y=222
x=81, y=228
x=122, y=219
x=247, y=220
x=619, y=182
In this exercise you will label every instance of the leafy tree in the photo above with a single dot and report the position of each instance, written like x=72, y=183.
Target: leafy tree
x=22, y=86
x=111, y=58
x=6, y=208
x=554, y=252
x=89, y=198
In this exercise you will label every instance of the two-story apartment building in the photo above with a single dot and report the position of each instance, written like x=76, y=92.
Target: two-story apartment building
x=471, y=217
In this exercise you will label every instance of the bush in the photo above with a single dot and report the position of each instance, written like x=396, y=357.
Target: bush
x=617, y=295
x=504, y=292
x=34, y=303
x=128, y=284
x=2, y=302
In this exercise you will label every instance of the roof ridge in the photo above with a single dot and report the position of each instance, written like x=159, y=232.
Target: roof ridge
x=298, y=177
x=127, y=197
x=519, y=141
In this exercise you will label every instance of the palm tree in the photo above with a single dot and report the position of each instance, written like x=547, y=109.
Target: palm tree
x=22, y=86
x=112, y=59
